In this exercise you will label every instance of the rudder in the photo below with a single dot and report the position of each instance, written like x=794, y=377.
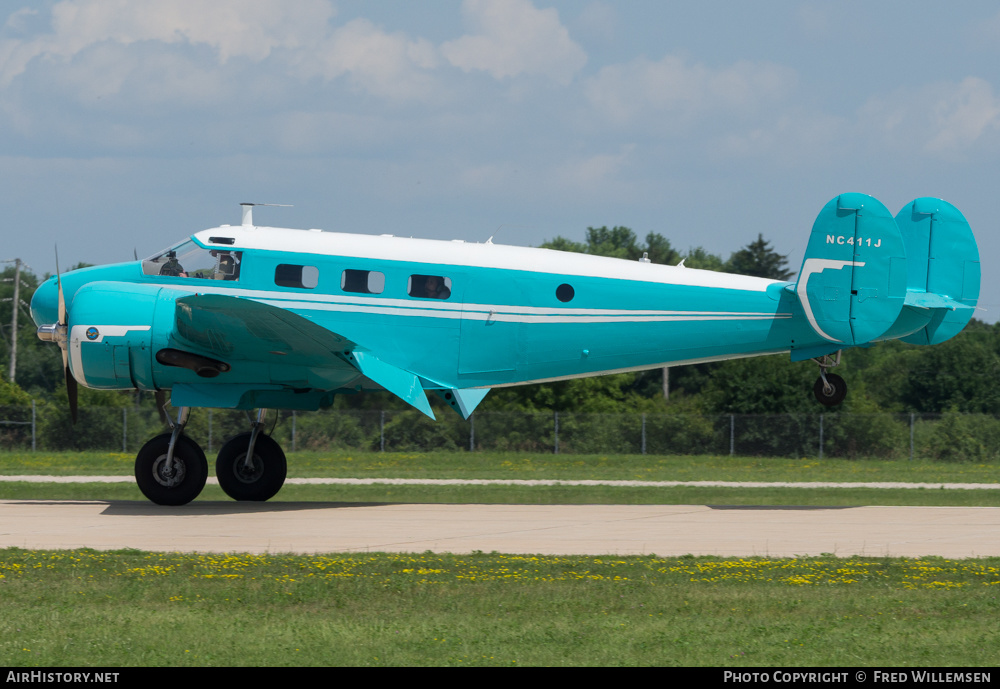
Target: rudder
x=853, y=280
x=943, y=273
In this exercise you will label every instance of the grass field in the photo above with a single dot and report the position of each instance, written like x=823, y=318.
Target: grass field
x=130, y=608
x=133, y=608
x=543, y=465
x=463, y=465
x=538, y=495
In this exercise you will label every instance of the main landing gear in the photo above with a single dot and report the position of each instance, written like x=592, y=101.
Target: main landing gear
x=830, y=389
x=171, y=469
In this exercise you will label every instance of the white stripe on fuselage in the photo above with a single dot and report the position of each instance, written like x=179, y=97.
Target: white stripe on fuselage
x=461, y=254
x=481, y=312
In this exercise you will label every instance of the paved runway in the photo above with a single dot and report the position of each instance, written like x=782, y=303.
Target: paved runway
x=285, y=527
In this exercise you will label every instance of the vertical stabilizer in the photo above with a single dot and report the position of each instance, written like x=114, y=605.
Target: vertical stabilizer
x=852, y=284
x=943, y=271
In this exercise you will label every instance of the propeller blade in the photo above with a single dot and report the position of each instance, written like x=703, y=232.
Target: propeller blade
x=72, y=391
x=62, y=298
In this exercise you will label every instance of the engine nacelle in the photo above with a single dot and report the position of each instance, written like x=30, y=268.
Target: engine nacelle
x=111, y=334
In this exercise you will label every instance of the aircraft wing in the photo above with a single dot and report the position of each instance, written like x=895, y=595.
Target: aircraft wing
x=234, y=329
x=242, y=329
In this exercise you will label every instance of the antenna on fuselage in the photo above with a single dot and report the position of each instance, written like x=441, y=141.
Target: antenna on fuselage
x=248, y=211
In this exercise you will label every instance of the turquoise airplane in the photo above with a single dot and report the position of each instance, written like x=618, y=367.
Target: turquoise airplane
x=247, y=317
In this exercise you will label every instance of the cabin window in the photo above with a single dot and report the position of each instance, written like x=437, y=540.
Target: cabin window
x=564, y=292
x=363, y=281
x=188, y=260
x=429, y=287
x=289, y=275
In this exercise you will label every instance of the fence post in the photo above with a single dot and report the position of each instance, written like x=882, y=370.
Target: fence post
x=821, y=436
x=472, y=433
x=556, y=447
x=643, y=434
x=732, y=435
x=911, y=435
x=32, y=425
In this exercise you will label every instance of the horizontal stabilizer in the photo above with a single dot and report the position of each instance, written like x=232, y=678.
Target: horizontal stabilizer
x=929, y=300
x=401, y=383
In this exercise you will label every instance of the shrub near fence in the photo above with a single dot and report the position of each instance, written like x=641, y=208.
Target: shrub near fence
x=945, y=437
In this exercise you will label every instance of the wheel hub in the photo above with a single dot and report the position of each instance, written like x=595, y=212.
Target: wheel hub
x=248, y=474
x=168, y=476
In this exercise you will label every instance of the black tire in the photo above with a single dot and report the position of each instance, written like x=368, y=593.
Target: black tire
x=834, y=396
x=187, y=482
x=265, y=477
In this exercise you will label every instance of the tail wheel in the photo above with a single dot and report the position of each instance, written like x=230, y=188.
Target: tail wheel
x=830, y=392
x=259, y=479
x=176, y=483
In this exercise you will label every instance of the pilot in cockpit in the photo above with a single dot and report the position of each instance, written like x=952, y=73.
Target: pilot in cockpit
x=173, y=267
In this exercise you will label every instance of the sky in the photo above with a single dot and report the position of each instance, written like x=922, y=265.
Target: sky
x=126, y=125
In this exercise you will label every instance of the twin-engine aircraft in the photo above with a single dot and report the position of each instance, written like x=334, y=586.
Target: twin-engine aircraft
x=247, y=317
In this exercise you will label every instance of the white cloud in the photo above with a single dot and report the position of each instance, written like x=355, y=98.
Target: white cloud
x=100, y=46
x=233, y=28
x=594, y=173
x=941, y=119
x=963, y=116
x=790, y=139
x=673, y=89
x=388, y=65
x=18, y=20
x=514, y=37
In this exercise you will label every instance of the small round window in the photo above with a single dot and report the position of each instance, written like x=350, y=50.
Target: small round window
x=564, y=292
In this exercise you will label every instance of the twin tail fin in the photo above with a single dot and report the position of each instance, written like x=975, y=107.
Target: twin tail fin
x=869, y=276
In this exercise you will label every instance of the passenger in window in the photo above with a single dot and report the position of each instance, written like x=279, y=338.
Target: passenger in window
x=434, y=288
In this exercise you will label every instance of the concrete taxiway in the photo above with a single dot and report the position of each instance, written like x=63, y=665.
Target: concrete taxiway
x=666, y=530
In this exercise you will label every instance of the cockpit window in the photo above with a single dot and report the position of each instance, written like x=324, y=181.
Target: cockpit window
x=188, y=260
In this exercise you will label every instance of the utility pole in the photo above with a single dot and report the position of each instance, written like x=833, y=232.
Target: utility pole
x=13, y=320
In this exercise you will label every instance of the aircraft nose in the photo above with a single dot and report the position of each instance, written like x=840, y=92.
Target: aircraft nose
x=45, y=303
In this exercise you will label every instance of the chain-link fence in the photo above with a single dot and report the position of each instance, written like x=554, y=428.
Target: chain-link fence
x=952, y=436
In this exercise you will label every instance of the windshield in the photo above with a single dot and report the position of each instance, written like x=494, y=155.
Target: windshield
x=188, y=260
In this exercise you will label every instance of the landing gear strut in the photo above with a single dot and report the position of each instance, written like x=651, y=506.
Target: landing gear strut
x=171, y=469
x=830, y=389
x=251, y=466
